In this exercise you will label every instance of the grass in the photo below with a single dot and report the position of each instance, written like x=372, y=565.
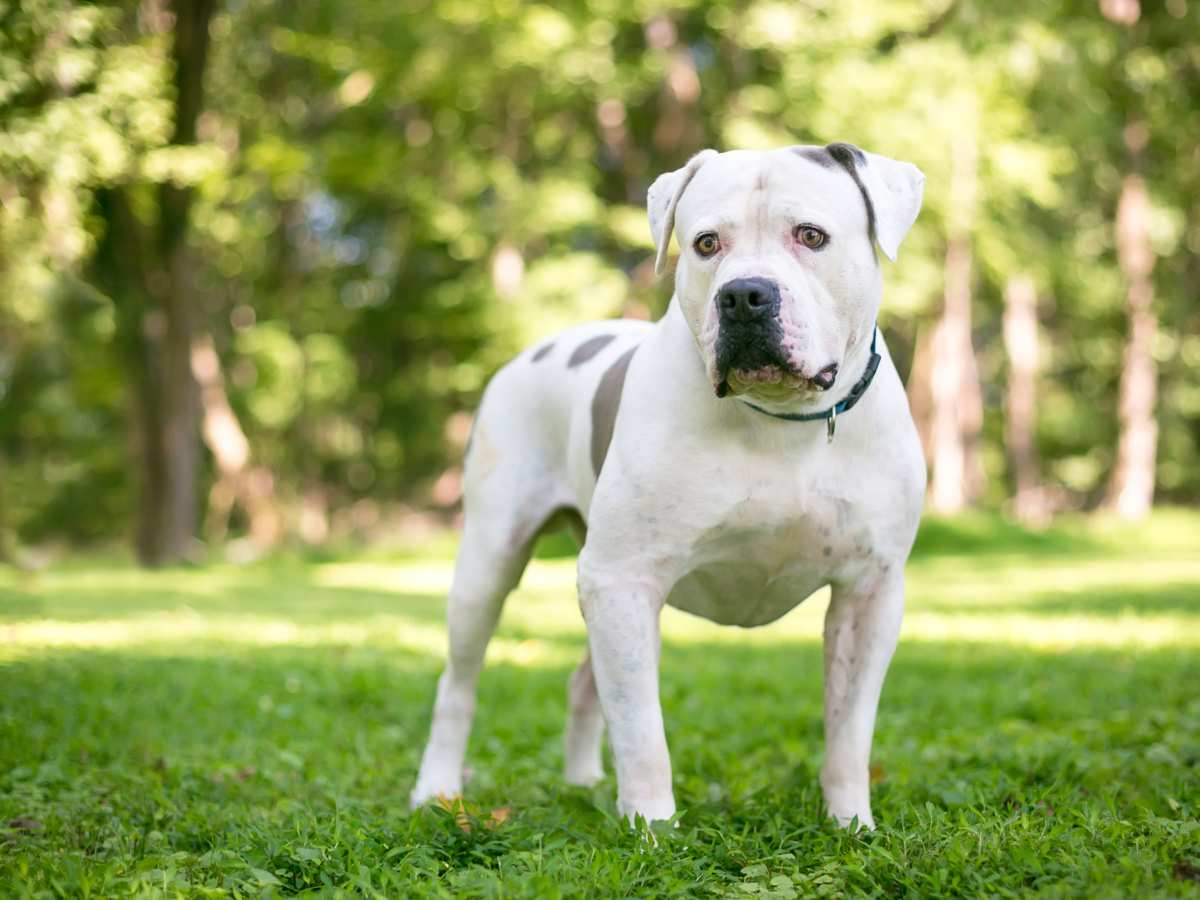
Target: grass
x=254, y=731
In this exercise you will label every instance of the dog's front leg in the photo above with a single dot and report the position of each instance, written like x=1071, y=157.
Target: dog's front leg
x=862, y=625
x=623, y=635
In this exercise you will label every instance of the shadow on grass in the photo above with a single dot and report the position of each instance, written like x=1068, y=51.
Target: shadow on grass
x=1181, y=597
x=297, y=598
x=982, y=534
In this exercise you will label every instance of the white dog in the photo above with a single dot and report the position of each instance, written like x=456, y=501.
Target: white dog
x=715, y=461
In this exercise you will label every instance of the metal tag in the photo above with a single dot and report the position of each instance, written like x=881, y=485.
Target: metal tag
x=831, y=425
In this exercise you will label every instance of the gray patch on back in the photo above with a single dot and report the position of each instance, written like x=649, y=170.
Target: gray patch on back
x=589, y=348
x=605, y=403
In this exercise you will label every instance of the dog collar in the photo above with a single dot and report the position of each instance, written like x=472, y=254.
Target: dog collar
x=844, y=405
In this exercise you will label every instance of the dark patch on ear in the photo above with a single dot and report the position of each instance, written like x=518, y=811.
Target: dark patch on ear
x=589, y=348
x=605, y=403
x=819, y=155
x=839, y=149
x=850, y=158
x=542, y=352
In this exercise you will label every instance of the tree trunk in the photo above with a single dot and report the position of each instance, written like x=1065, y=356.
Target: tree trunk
x=676, y=125
x=1131, y=486
x=920, y=389
x=179, y=413
x=175, y=508
x=956, y=415
x=1020, y=406
x=120, y=269
x=6, y=552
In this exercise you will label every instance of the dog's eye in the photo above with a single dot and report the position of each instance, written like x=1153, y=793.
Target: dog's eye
x=707, y=244
x=811, y=237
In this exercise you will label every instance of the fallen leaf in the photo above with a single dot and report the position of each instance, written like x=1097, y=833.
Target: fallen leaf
x=878, y=773
x=500, y=815
x=464, y=815
x=24, y=823
x=450, y=802
x=454, y=804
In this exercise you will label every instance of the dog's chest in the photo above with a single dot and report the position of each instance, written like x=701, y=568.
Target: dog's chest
x=767, y=553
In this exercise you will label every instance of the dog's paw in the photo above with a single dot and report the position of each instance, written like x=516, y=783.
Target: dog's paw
x=855, y=821
x=443, y=793
x=583, y=775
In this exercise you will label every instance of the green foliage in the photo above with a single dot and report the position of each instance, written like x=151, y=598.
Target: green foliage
x=256, y=730
x=392, y=199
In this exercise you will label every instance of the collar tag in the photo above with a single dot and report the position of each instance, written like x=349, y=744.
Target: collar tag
x=830, y=425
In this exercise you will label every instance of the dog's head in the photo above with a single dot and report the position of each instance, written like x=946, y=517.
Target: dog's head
x=777, y=275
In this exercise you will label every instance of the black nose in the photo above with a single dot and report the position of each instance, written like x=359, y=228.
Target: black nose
x=746, y=300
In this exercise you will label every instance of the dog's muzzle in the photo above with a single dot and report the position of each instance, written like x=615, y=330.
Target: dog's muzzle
x=750, y=336
x=749, y=348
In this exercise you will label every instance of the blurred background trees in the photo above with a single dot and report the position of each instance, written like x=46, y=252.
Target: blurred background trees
x=258, y=259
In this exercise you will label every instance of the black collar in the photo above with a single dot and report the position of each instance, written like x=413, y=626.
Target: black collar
x=844, y=405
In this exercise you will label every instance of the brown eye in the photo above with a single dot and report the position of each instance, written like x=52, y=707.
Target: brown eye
x=707, y=244
x=811, y=237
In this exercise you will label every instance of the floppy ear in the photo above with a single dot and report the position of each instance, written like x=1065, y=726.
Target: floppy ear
x=895, y=189
x=661, y=200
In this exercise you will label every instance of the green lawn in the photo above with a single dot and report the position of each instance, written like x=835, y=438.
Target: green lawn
x=248, y=731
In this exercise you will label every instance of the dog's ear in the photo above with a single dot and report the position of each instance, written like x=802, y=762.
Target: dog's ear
x=894, y=189
x=661, y=200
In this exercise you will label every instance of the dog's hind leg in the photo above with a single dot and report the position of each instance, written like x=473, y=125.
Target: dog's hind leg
x=490, y=563
x=514, y=481
x=585, y=728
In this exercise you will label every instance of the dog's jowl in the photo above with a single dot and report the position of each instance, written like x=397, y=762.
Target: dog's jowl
x=751, y=447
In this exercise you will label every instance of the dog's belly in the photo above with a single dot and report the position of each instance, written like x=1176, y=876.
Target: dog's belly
x=742, y=593
x=753, y=575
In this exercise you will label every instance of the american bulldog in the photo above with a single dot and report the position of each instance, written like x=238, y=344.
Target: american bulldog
x=751, y=447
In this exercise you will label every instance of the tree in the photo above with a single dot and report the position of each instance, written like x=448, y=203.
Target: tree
x=172, y=450
x=957, y=408
x=148, y=269
x=1131, y=485
x=1021, y=337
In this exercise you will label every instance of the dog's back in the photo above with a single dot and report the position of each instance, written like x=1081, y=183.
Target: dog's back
x=541, y=428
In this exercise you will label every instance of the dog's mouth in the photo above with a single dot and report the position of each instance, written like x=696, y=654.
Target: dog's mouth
x=773, y=381
x=770, y=378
